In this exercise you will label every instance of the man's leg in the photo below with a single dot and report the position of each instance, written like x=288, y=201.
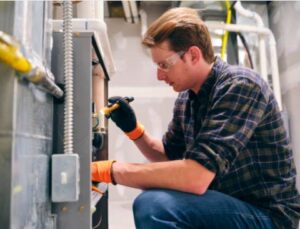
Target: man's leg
x=166, y=209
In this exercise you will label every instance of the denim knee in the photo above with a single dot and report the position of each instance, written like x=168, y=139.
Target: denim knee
x=169, y=209
x=143, y=208
x=151, y=209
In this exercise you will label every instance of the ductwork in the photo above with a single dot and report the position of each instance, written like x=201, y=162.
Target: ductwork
x=130, y=11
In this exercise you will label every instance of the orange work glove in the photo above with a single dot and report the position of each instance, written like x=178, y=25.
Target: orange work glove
x=102, y=171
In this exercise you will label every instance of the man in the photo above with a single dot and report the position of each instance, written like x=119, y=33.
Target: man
x=225, y=160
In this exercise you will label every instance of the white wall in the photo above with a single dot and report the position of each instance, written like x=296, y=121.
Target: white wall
x=284, y=20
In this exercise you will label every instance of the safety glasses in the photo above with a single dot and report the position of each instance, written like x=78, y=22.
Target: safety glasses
x=166, y=64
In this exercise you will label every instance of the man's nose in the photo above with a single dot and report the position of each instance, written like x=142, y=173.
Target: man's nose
x=161, y=75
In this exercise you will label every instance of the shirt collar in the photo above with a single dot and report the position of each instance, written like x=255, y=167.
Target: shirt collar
x=208, y=84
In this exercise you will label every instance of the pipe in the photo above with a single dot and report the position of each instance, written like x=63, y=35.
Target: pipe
x=265, y=32
x=127, y=11
x=105, y=44
x=238, y=28
x=134, y=11
x=41, y=76
x=275, y=71
x=262, y=45
x=225, y=36
x=143, y=22
x=247, y=13
x=30, y=69
x=11, y=55
x=68, y=74
x=86, y=9
x=99, y=10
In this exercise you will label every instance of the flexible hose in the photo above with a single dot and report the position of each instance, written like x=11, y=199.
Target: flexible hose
x=68, y=73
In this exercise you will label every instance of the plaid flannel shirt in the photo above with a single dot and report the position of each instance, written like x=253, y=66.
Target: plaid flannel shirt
x=234, y=128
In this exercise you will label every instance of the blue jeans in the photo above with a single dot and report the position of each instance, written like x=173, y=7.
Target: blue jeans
x=166, y=209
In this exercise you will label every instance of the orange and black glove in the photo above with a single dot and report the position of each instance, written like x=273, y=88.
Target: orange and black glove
x=125, y=118
x=102, y=171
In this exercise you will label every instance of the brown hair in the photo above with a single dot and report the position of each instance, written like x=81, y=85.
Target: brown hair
x=183, y=28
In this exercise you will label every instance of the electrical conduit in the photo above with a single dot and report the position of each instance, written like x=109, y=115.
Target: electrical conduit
x=68, y=73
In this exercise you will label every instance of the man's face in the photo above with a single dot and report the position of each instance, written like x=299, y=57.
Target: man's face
x=172, y=67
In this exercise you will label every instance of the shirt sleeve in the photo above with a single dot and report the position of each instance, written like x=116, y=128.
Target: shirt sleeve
x=237, y=108
x=173, y=140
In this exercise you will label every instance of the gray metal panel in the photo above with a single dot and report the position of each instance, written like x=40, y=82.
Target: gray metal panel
x=7, y=82
x=76, y=215
x=32, y=147
x=25, y=143
x=7, y=9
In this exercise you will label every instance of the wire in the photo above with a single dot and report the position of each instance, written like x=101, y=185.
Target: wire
x=98, y=224
x=247, y=49
x=100, y=220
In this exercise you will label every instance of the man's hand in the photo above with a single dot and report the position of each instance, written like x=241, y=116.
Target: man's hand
x=102, y=171
x=125, y=118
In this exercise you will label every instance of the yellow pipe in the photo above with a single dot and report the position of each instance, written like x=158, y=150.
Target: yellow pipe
x=33, y=72
x=225, y=36
x=108, y=110
x=10, y=54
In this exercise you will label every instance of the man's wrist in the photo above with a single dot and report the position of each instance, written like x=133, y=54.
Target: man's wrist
x=101, y=171
x=137, y=132
x=113, y=181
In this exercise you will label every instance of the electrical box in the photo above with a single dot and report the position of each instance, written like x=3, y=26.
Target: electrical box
x=65, y=178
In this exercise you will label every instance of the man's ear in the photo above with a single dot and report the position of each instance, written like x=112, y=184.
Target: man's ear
x=196, y=54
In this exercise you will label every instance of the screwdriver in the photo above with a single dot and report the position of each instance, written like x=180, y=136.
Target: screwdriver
x=108, y=109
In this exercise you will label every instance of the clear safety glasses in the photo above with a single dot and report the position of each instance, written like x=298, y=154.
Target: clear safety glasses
x=166, y=64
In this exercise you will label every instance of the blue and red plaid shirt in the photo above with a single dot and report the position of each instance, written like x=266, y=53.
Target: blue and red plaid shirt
x=234, y=128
